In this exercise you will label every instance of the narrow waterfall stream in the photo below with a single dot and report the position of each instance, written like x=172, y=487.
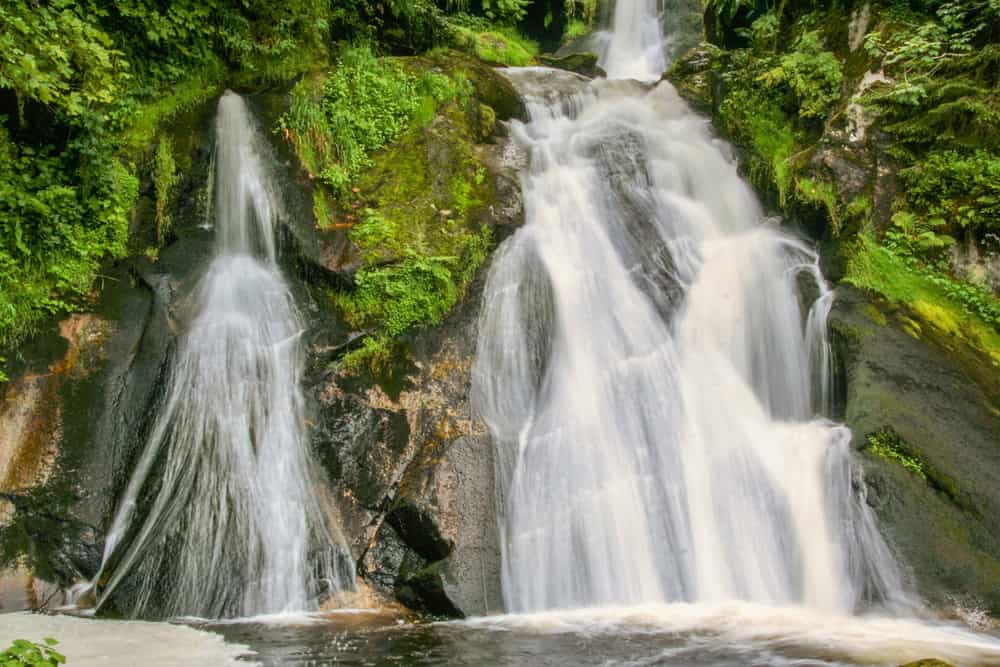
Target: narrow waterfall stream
x=233, y=527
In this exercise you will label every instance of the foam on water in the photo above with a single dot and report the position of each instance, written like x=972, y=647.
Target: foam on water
x=790, y=630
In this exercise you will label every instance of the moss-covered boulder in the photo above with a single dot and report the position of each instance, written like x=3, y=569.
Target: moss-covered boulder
x=392, y=350
x=923, y=409
x=582, y=63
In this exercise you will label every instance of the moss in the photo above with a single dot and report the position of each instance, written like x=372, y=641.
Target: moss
x=576, y=29
x=498, y=45
x=412, y=211
x=141, y=120
x=887, y=445
x=875, y=315
x=756, y=122
x=164, y=179
x=859, y=209
x=876, y=268
x=823, y=194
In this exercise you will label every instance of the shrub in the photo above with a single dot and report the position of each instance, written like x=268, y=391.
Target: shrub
x=32, y=654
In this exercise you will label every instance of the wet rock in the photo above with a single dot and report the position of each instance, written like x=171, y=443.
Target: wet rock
x=382, y=563
x=423, y=589
x=929, y=662
x=582, y=63
x=491, y=88
x=693, y=77
x=68, y=551
x=419, y=530
x=934, y=402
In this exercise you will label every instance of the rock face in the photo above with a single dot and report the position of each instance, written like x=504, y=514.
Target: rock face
x=410, y=465
x=414, y=475
x=925, y=419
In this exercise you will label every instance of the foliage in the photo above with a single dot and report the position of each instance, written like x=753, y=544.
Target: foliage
x=938, y=106
x=575, y=29
x=502, y=45
x=32, y=654
x=502, y=11
x=956, y=190
x=753, y=116
x=52, y=54
x=810, y=75
x=824, y=194
x=164, y=179
x=53, y=233
x=86, y=87
x=505, y=11
x=942, y=107
x=420, y=290
x=336, y=122
x=951, y=306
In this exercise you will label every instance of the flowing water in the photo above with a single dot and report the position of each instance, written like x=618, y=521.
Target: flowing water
x=652, y=364
x=231, y=525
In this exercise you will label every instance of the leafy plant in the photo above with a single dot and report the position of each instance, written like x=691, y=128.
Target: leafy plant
x=363, y=105
x=164, y=179
x=810, y=75
x=32, y=654
x=956, y=190
x=52, y=53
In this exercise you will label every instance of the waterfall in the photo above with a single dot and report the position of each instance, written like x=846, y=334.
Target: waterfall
x=220, y=517
x=635, y=48
x=651, y=364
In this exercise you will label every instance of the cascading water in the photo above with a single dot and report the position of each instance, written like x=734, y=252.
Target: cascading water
x=635, y=47
x=650, y=374
x=233, y=527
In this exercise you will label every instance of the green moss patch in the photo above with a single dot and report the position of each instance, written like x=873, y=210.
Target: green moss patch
x=887, y=445
x=500, y=45
x=404, y=181
x=874, y=267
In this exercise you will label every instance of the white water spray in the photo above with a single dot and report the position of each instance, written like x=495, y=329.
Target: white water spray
x=651, y=363
x=230, y=523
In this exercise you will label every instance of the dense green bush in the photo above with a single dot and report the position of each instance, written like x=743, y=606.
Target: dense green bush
x=365, y=103
x=61, y=214
x=936, y=113
x=957, y=190
x=808, y=74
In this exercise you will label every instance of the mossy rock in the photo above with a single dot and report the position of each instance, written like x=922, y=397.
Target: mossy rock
x=925, y=418
x=582, y=63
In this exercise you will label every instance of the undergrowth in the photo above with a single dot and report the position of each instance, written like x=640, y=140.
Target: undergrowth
x=335, y=122
x=951, y=306
x=498, y=44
